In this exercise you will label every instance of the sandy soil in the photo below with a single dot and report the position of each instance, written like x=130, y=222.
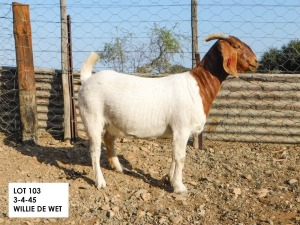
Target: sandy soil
x=228, y=182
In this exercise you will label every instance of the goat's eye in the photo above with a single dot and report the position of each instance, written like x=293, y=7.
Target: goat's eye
x=237, y=47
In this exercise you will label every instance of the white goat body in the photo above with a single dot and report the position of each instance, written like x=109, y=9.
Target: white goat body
x=123, y=104
x=143, y=107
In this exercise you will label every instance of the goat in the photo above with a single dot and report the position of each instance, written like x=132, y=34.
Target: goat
x=175, y=106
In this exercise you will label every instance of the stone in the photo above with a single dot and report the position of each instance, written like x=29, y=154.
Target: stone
x=116, y=208
x=262, y=193
x=141, y=213
x=140, y=192
x=237, y=191
x=105, y=207
x=292, y=181
x=146, y=196
x=176, y=219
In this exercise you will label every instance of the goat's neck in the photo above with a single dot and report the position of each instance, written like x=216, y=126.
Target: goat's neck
x=209, y=80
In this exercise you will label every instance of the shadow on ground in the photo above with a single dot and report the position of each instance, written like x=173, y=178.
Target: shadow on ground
x=63, y=156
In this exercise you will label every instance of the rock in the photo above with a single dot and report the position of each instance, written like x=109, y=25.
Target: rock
x=116, y=209
x=283, y=155
x=211, y=150
x=125, y=140
x=194, y=183
x=154, y=144
x=146, y=196
x=149, y=214
x=202, y=210
x=144, y=148
x=162, y=220
x=141, y=213
x=237, y=192
x=262, y=193
x=248, y=177
x=176, y=219
x=283, y=188
x=105, y=207
x=180, y=197
x=140, y=192
x=292, y=181
x=218, y=183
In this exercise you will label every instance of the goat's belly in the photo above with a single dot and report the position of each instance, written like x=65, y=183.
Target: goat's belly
x=139, y=131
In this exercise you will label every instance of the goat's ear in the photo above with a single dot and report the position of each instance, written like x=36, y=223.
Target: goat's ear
x=229, y=58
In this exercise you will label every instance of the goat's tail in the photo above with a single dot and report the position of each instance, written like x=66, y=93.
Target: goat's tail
x=87, y=66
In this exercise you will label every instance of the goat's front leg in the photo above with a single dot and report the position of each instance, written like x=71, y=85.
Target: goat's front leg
x=179, y=151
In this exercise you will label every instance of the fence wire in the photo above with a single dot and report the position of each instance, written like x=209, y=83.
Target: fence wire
x=128, y=35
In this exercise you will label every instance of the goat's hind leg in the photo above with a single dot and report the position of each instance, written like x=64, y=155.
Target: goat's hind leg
x=95, y=152
x=109, y=141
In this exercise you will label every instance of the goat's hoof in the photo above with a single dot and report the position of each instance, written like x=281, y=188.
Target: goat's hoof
x=118, y=169
x=101, y=185
x=116, y=165
x=180, y=189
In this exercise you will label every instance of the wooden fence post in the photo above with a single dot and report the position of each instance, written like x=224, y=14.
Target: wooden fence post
x=64, y=71
x=26, y=79
x=197, y=139
x=194, y=23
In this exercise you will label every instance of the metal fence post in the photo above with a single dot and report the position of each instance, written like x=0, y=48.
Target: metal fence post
x=73, y=118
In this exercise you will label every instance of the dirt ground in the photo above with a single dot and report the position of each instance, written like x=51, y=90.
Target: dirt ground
x=228, y=182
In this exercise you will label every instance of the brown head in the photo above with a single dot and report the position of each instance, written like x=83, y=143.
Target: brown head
x=237, y=56
x=227, y=56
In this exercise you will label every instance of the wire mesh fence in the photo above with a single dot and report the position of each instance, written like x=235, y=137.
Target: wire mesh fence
x=131, y=37
x=9, y=101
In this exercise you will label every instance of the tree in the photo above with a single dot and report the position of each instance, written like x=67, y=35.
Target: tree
x=114, y=53
x=271, y=61
x=153, y=57
x=286, y=59
x=164, y=44
x=291, y=55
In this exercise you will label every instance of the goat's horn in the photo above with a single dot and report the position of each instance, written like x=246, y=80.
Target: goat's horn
x=215, y=36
